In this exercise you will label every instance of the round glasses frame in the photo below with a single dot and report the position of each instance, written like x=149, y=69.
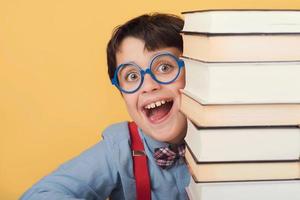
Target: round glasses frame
x=115, y=82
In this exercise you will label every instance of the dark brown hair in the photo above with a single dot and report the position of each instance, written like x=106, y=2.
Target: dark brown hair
x=156, y=30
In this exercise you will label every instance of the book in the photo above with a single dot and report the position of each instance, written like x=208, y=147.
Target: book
x=242, y=21
x=252, y=190
x=229, y=115
x=241, y=171
x=243, y=144
x=243, y=83
x=189, y=193
x=242, y=48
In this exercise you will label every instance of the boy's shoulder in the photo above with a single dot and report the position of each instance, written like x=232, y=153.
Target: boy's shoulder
x=116, y=132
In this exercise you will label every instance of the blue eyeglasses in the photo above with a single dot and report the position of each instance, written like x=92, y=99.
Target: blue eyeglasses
x=164, y=68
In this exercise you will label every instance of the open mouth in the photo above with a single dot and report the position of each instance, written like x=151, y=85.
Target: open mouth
x=158, y=110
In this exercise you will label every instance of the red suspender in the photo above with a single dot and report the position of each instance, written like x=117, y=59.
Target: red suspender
x=140, y=167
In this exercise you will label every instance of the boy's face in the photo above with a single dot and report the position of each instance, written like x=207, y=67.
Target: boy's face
x=163, y=123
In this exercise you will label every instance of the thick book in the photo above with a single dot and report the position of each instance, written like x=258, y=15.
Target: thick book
x=253, y=190
x=241, y=171
x=242, y=48
x=247, y=144
x=243, y=83
x=242, y=21
x=229, y=115
x=190, y=195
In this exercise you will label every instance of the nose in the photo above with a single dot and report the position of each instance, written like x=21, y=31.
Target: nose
x=149, y=84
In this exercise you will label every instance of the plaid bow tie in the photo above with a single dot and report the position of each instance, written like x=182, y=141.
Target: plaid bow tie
x=166, y=156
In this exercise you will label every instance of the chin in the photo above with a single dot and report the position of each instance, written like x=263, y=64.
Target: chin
x=172, y=132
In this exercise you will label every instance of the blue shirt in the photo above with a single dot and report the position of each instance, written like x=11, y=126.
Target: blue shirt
x=106, y=170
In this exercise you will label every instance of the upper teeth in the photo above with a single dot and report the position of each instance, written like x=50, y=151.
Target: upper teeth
x=155, y=104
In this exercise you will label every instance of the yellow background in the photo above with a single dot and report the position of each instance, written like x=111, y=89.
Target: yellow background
x=55, y=95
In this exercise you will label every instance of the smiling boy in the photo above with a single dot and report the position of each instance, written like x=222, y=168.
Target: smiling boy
x=143, y=63
x=164, y=122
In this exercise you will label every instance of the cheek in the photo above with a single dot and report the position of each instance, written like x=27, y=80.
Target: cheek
x=182, y=78
x=131, y=102
x=180, y=82
x=175, y=87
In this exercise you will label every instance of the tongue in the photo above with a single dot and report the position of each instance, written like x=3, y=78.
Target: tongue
x=158, y=113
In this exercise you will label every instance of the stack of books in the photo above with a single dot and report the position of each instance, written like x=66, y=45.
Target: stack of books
x=242, y=99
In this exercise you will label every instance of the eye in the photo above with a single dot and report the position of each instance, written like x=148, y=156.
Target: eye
x=132, y=76
x=165, y=68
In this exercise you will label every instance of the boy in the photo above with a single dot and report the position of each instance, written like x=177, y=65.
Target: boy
x=130, y=162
